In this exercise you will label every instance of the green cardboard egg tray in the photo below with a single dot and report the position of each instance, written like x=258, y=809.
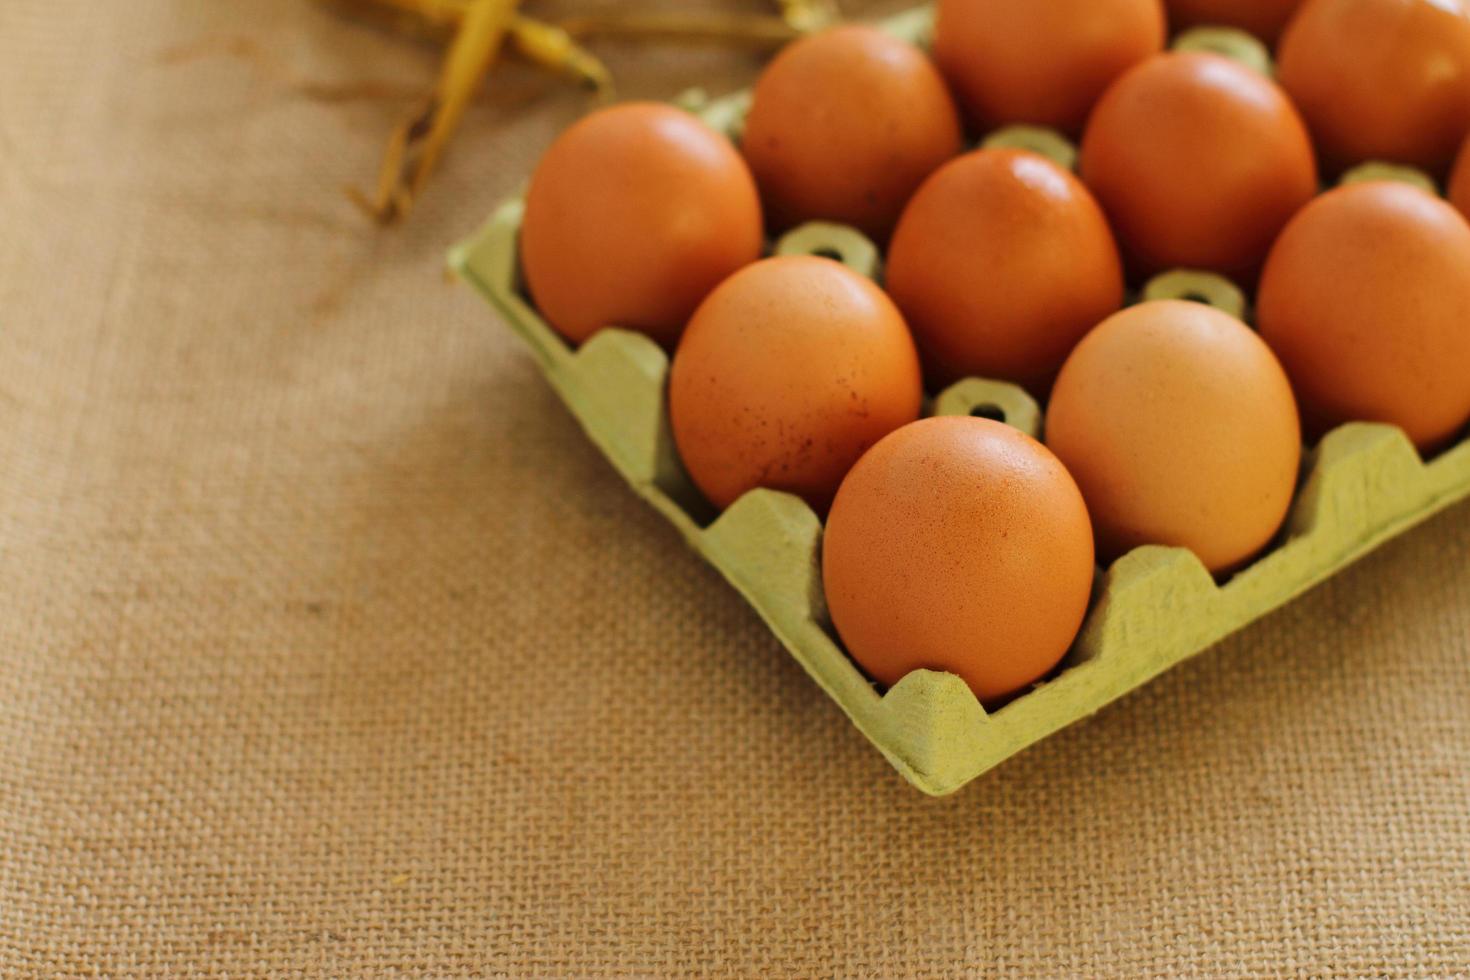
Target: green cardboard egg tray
x=1155, y=607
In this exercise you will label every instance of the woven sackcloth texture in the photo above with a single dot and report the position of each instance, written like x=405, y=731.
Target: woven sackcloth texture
x=329, y=647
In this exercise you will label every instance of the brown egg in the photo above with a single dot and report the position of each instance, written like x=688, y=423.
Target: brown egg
x=632, y=217
x=786, y=374
x=1179, y=426
x=958, y=544
x=1380, y=79
x=1198, y=161
x=1264, y=18
x=1366, y=300
x=1043, y=62
x=1001, y=262
x=844, y=125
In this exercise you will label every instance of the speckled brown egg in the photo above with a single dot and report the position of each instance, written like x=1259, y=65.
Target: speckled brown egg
x=1001, y=262
x=1366, y=300
x=958, y=544
x=844, y=125
x=633, y=215
x=1380, y=79
x=786, y=374
x=1043, y=62
x=1178, y=424
x=1198, y=162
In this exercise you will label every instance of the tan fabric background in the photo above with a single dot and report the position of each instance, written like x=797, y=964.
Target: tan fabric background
x=328, y=647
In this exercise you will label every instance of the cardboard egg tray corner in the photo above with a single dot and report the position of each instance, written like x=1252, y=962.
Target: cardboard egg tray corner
x=1154, y=608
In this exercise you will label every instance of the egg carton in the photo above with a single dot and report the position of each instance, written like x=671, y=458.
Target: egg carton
x=1153, y=608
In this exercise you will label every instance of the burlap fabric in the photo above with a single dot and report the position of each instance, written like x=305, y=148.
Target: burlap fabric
x=328, y=646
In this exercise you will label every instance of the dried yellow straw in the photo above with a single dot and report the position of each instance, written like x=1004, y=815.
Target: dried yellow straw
x=415, y=146
x=755, y=30
x=480, y=28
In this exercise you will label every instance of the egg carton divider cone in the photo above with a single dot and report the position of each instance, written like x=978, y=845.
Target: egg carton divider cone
x=1154, y=608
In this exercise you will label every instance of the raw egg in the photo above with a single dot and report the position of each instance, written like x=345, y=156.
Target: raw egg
x=844, y=125
x=633, y=215
x=1366, y=300
x=785, y=375
x=1380, y=79
x=1043, y=62
x=958, y=544
x=1001, y=262
x=1264, y=18
x=1198, y=161
x=1178, y=424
